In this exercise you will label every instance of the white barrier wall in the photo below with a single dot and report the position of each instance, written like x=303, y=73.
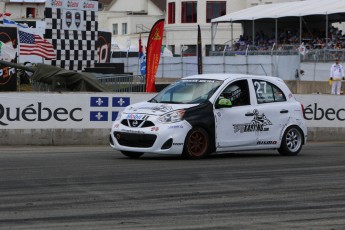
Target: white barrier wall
x=280, y=66
x=326, y=111
x=86, y=118
x=63, y=111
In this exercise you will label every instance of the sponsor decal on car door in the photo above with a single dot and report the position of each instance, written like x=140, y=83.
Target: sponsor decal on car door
x=235, y=127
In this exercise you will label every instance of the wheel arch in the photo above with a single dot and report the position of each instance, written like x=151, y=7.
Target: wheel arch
x=202, y=116
x=210, y=132
x=292, y=125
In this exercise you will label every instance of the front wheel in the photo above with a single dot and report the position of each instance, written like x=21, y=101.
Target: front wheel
x=197, y=144
x=132, y=154
x=292, y=142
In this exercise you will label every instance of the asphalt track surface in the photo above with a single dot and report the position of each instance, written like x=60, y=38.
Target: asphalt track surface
x=98, y=188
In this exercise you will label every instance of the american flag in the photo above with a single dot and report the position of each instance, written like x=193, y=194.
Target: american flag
x=32, y=44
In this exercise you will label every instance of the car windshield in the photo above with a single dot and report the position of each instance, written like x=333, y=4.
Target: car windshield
x=188, y=91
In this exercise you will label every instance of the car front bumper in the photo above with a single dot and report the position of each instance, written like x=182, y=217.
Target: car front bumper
x=160, y=139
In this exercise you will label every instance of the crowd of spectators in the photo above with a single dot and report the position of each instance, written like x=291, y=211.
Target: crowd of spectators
x=291, y=38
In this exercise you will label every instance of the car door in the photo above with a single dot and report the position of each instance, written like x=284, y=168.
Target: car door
x=272, y=111
x=233, y=124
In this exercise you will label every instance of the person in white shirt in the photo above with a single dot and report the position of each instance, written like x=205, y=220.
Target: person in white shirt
x=336, y=75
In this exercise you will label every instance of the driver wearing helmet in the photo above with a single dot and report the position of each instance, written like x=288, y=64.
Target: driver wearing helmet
x=235, y=93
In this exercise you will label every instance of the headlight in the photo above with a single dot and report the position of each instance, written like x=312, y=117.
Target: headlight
x=118, y=116
x=172, y=117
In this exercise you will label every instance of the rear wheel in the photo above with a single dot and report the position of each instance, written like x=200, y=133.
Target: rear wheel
x=197, y=144
x=292, y=141
x=132, y=154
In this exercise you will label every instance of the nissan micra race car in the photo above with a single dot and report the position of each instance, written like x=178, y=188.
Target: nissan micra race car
x=213, y=113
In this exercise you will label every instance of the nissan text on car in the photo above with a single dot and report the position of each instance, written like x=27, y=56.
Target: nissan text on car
x=213, y=113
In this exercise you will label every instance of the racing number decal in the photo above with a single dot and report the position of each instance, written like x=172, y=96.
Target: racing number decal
x=260, y=87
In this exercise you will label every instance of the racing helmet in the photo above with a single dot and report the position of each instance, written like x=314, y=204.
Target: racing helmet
x=233, y=92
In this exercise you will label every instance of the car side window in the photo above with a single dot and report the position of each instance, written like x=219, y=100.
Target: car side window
x=267, y=92
x=238, y=93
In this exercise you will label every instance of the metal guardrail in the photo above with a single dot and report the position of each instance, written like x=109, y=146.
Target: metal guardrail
x=254, y=52
x=57, y=86
x=318, y=55
x=122, y=82
x=113, y=83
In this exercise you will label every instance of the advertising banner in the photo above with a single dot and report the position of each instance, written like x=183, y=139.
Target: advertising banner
x=89, y=5
x=153, y=53
x=72, y=19
x=8, y=80
x=55, y=3
x=62, y=111
x=72, y=4
x=323, y=110
x=103, y=46
x=99, y=110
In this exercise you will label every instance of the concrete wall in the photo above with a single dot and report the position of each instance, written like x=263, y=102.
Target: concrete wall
x=54, y=136
x=309, y=87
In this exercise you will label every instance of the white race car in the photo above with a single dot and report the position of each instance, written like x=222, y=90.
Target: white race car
x=213, y=113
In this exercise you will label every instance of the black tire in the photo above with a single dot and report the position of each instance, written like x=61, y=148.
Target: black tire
x=197, y=144
x=292, y=142
x=132, y=154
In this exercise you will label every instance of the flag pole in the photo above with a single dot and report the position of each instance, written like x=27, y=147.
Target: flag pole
x=138, y=69
x=199, y=45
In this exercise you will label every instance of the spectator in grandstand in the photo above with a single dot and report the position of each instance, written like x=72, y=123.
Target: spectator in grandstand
x=336, y=75
x=313, y=40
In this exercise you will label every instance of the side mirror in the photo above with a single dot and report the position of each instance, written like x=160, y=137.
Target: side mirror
x=223, y=103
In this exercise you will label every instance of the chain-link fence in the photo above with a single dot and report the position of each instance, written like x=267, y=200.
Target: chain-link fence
x=262, y=62
x=323, y=55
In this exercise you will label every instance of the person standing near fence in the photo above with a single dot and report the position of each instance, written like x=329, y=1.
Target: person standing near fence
x=336, y=75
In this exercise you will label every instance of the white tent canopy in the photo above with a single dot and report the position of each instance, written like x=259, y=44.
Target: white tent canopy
x=287, y=9
x=324, y=10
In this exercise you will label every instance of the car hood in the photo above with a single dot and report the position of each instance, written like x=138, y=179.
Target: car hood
x=157, y=109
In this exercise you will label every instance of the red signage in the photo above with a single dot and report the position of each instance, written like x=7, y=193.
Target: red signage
x=153, y=54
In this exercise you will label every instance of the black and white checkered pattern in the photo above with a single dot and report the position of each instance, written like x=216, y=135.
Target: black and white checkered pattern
x=75, y=49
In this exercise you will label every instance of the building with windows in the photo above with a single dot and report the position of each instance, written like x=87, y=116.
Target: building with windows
x=183, y=18
x=23, y=10
x=127, y=20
